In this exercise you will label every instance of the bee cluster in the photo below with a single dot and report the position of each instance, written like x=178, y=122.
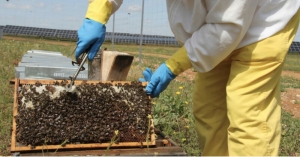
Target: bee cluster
x=89, y=113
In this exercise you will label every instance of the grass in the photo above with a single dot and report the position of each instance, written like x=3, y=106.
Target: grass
x=292, y=62
x=146, y=49
x=172, y=110
x=289, y=82
x=290, y=139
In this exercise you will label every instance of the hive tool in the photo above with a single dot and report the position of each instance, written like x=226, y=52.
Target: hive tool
x=81, y=60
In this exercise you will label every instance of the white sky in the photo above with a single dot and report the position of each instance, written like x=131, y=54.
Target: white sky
x=69, y=14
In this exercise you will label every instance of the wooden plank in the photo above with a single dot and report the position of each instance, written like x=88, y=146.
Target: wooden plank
x=106, y=62
x=120, y=68
x=160, y=151
x=15, y=112
x=80, y=146
x=115, y=65
x=77, y=82
x=153, y=136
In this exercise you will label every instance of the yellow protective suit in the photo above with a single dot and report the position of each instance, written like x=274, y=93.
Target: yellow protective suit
x=237, y=104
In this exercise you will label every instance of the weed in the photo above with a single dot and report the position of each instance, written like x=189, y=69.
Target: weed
x=290, y=136
x=62, y=144
x=172, y=113
x=112, y=141
x=45, y=144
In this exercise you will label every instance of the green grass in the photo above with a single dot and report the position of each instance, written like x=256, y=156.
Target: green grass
x=146, y=49
x=292, y=62
x=290, y=139
x=172, y=110
x=289, y=82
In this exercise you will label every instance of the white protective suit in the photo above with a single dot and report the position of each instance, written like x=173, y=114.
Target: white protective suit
x=238, y=48
x=223, y=26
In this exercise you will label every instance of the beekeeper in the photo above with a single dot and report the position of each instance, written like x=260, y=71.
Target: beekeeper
x=238, y=48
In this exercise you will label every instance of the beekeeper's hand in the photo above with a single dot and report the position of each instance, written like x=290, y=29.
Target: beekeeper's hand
x=92, y=32
x=166, y=72
x=158, y=81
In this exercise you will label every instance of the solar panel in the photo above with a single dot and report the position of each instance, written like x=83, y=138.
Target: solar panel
x=72, y=35
x=24, y=32
x=295, y=47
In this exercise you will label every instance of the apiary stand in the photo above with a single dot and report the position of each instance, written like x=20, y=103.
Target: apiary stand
x=16, y=148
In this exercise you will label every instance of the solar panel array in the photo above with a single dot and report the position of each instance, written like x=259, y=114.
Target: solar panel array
x=118, y=37
x=66, y=34
x=72, y=35
x=32, y=31
x=295, y=47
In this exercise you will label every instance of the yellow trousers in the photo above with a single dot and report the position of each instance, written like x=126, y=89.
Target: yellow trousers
x=237, y=104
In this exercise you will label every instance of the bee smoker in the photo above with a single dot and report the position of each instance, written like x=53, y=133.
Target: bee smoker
x=94, y=71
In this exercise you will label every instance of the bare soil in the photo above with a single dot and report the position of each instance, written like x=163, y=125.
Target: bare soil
x=290, y=99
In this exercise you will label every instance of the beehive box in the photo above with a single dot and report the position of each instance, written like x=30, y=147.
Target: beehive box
x=46, y=116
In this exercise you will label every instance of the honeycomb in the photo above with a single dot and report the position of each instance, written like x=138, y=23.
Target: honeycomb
x=88, y=113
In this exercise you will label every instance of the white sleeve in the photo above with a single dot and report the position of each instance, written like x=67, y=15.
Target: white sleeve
x=116, y=4
x=226, y=23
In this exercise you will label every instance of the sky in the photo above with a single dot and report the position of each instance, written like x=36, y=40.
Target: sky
x=69, y=14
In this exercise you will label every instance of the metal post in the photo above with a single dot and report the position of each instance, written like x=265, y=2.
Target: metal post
x=1, y=33
x=113, y=34
x=141, y=36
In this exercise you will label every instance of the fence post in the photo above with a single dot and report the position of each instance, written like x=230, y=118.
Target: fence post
x=113, y=34
x=141, y=36
x=1, y=33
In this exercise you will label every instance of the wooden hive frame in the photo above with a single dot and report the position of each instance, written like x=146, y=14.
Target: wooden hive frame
x=14, y=142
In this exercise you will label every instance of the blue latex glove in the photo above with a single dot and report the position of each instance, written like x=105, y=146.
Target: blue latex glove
x=147, y=75
x=90, y=35
x=158, y=81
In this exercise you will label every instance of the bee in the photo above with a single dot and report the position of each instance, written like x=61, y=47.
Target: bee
x=56, y=83
x=38, y=84
x=50, y=88
x=63, y=82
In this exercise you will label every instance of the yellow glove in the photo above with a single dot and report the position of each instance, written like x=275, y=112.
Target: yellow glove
x=179, y=62
x=99, y=10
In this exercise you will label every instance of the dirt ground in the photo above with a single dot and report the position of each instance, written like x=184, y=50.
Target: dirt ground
x=290, y=99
